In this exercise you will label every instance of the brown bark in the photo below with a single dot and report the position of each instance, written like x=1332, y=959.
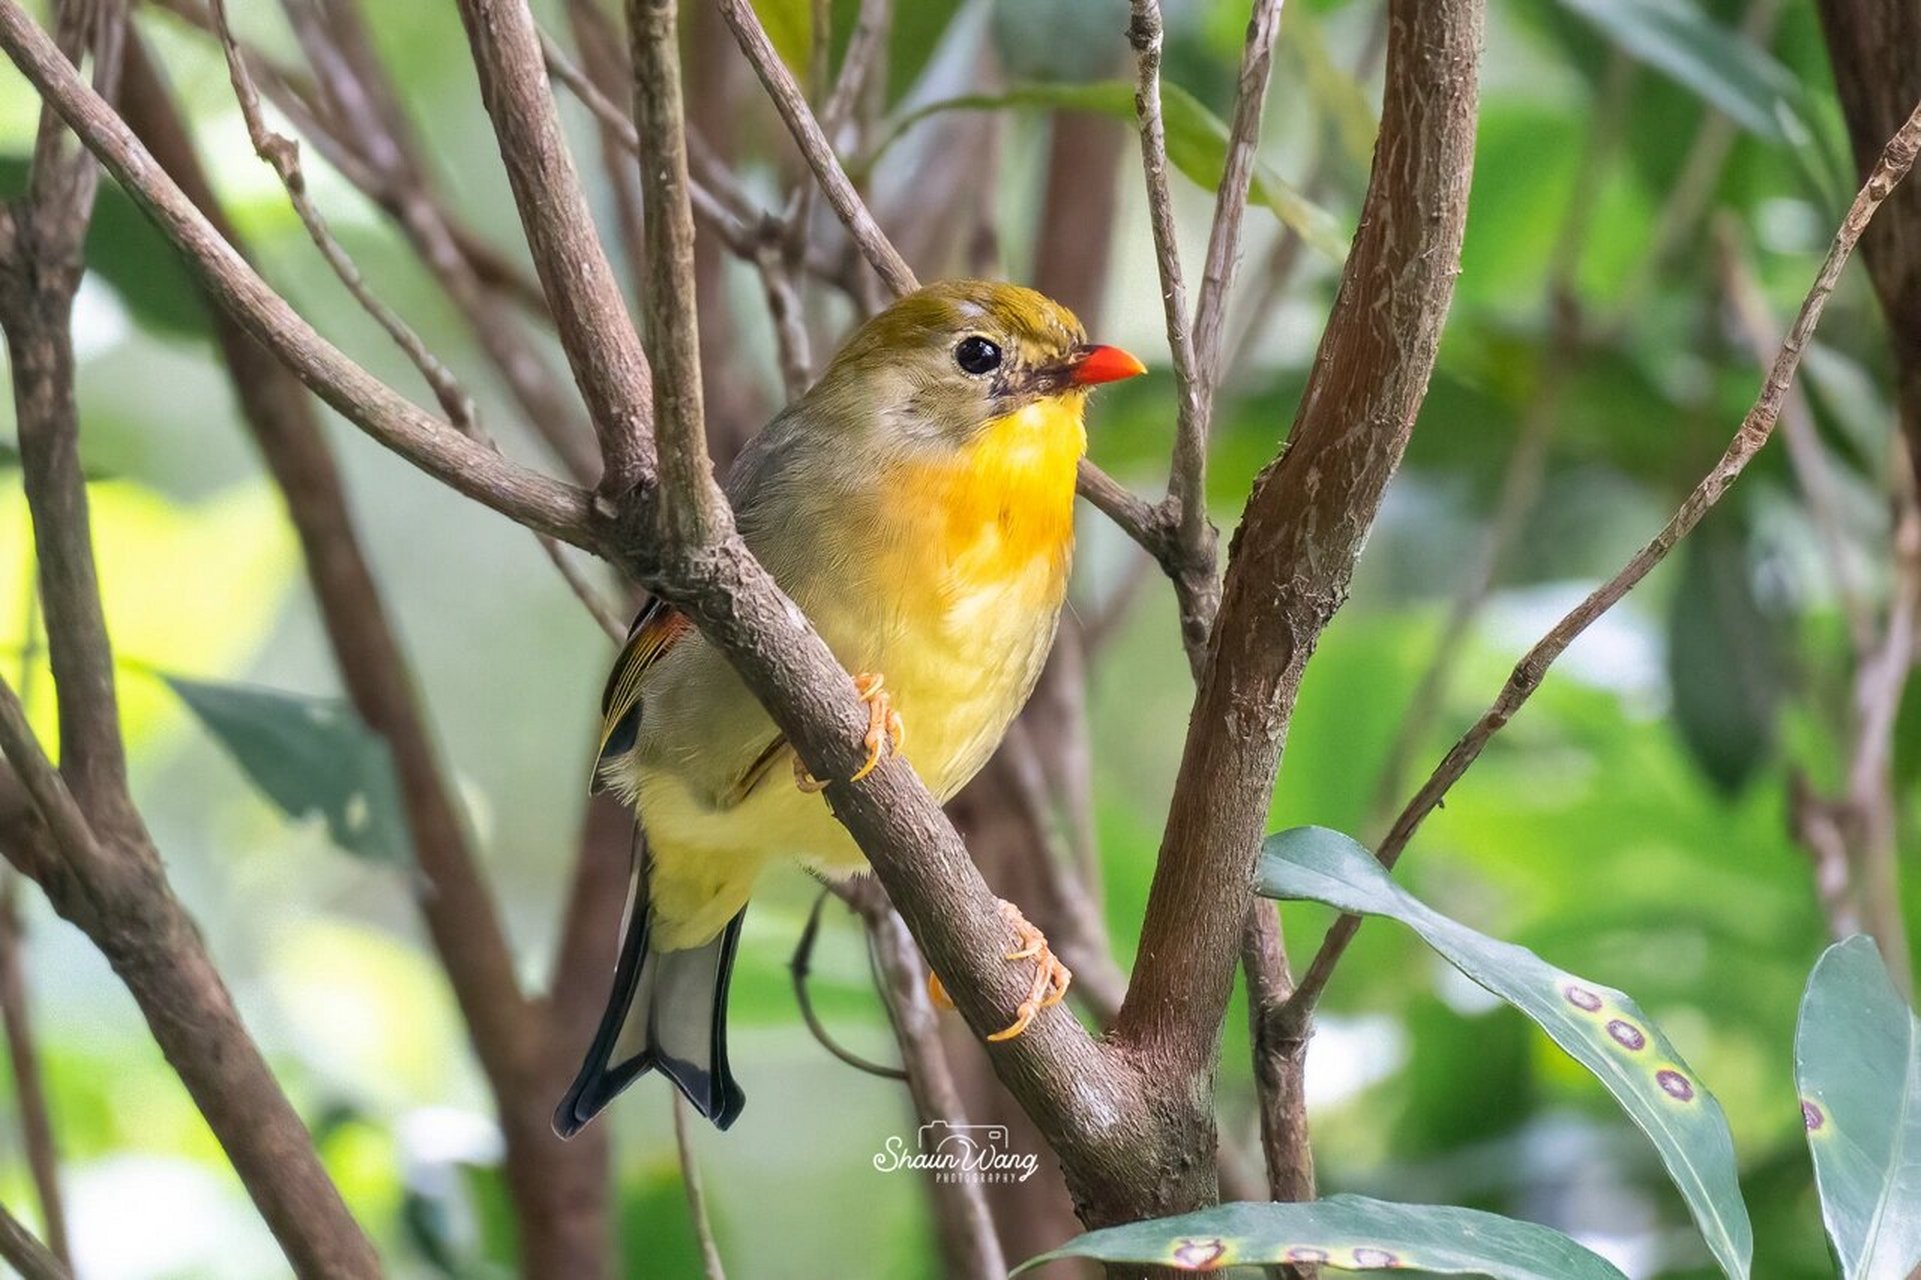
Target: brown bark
x=559, y=1190
x=1871, y=46
x=29, y=1085
x=1122, y=1117
x=1294, y=554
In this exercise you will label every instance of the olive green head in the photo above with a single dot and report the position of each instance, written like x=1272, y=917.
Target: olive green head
x=946, y=360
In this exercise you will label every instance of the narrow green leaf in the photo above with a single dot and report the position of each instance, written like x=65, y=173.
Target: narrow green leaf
x=1601, y=1028
x=308, y=756
x=1723, y=659
x=1196, y=144
x=1857, y=1063
x=789, y=24
x=1719, y=65
x=1344, y=1233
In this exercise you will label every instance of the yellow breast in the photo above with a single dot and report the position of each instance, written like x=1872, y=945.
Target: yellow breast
x=995, y=510
x=976, y=572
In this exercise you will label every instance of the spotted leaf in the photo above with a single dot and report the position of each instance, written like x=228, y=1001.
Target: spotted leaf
x=1343, y=1233
x=1601, y=1028
x=1857, y=1063
x=308, y=756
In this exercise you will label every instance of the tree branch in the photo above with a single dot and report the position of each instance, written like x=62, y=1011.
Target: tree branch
x=560, y=1213
x=1189, y=548
x=791, y=102
x=1897, y=158
x=431, y=444
x=118, y=896
x=589, y=312
x=694, y=512
x=1302, y=531
x=970, y=1245
x=29, y=1086
x=33, y=1260
x=710, y=1265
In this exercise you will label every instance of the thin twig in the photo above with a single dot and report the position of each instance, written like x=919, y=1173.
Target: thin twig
x=801, y=968
x=29, y=1084
x=283, y=155
x=815, y=147
x=735, y=232
x=710, y=1266
x=370, y=128
x=1190, y=555
x=33, y=1260
x=1896, y=160
x=1230, y=202
x=1806, y=454
x=972, y=1245
x=1880, y=681
x=864, y=45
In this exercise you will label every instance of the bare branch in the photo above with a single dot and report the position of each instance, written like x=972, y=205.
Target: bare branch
x=433, y=445
x=1280, y=1065
x=733, y=230
x=1187, y=498
x=118, y=895
x=814, y=145
x=710, y=1265
x=38, y=282
x=1798, y=432
x=1303, y=530
x=694, y=511
x=1230, y=203
x=864, y=47
x=283, y=155
x=33, y=1260
x=1896, y=160
x=967, y=1229
x=589, y=312
x=23, y=1053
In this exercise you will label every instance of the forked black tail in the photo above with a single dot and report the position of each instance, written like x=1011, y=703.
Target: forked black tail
x=667, y=1012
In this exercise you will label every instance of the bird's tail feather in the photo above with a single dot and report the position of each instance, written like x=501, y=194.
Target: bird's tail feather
x=667, y=1013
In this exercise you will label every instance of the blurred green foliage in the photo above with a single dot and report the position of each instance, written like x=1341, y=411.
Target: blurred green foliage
x=1630, y=825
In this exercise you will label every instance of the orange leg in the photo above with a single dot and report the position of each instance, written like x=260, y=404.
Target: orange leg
x=1051, y=977
x=886, y=732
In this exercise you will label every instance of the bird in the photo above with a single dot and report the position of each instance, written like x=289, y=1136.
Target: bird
x=917, y=503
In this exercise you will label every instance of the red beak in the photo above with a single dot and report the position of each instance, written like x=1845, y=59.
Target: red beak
x=1095, y=365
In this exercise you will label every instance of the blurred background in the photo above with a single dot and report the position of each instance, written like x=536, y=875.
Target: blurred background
x=1637, y=824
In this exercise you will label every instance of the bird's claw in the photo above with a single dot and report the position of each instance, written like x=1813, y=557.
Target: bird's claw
x=886, y=732
x=1051, y=977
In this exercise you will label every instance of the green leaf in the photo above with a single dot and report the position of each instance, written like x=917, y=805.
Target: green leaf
x=1601, y=1028
x=790, y=26
x=1721, y=66
x=1196, y=144
x=1345, y=1233
x=132, y=256
x=308, y=755
x=1857, y=1063
x=1724, y=665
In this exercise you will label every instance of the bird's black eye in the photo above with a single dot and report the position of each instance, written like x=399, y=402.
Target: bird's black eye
x=976, y=355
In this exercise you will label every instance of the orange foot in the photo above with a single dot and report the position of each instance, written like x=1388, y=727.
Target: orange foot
x=886, y=732
x=1051, y=977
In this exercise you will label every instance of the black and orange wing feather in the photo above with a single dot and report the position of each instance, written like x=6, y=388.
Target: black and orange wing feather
x=657, y=628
